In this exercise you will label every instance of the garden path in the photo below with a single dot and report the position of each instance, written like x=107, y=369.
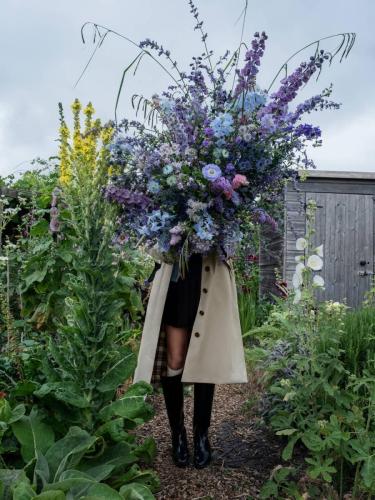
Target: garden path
x=244, y=452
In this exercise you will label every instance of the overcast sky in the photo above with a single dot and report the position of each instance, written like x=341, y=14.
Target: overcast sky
x=42, y=56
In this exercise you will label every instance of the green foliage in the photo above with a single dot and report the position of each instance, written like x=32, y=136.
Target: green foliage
x=73, y=466
x=70, y=311
x=319, y=374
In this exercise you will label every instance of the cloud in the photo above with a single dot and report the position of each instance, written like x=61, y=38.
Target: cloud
x=348, y=145
x=42, y=56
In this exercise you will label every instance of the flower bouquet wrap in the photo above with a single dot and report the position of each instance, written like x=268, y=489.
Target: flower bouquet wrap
x=213, y=150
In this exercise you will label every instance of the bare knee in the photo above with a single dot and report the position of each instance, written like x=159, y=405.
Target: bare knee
x=175, y=362
x=177, y=347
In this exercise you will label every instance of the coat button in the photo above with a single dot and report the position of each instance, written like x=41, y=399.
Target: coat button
x=201, y=313
x=207, y=268
x=205, y=290
x=197, y=334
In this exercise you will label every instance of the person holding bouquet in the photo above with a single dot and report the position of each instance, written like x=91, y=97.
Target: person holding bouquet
x=191, y=334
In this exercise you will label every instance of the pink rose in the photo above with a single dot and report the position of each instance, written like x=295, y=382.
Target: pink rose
x=239, y=180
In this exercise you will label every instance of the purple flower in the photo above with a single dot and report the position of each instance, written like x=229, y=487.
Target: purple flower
x=221, y=184
x=229, y=168
x=211, y=171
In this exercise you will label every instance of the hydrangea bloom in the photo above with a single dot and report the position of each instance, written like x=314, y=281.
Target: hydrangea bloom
x=222, y=125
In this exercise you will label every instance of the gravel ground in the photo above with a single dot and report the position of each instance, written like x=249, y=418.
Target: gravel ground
x=244, y=452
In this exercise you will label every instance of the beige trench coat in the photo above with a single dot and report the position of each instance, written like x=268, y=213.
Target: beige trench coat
x=215, y=352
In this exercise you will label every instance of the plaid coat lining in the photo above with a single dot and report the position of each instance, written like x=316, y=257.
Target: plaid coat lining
x=160, y=363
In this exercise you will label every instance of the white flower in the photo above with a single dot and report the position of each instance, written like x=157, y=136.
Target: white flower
x=289, y=395
x=301, y=243
x=319, y=250
x=299, y=267
x=297, y=280
x=318, y=280
x=315, y=262
x=3, y=258
x=297, y=296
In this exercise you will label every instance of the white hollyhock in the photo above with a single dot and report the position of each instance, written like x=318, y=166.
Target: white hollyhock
x=299, y=267
x=301, y=243
x=297, y=296
x=315, y=262
x=297, y=280
x=318, y=280
x=319, y=250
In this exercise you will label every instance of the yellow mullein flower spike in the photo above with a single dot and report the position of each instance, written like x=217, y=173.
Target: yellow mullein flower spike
x=87, y=154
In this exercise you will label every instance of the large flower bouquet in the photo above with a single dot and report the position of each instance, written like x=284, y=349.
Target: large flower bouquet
x=213, y=149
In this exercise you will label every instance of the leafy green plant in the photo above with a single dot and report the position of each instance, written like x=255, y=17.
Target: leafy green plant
x=320, y=386
x=75, y=465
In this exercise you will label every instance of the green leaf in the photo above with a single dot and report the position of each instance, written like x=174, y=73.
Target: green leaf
x=36, y=276
x=117, y=456
x=269, y=490
x=103, y=491
x=10, y=477
x=288, y=450
x=286, y=432
x=368, y=472
x=17, y=413
x=51, y=495
x=40, y=228
x=67, y=392
x=136, y=491
x=147, y=450
x=312, y=441
x=32, y=434
x=131, y=405
x=5, y=410
x=115, y=429
x=24, y=389
x=23, y=491
x=65, y=255
x=68, y=451
x=118, y=373
x=136, y=475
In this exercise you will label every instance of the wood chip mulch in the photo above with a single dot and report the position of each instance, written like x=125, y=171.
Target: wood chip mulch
x=244, y=451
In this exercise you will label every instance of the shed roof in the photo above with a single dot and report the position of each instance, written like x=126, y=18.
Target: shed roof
x=340, y=174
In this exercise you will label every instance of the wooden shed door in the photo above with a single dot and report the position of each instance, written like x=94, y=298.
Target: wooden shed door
x=345, y=225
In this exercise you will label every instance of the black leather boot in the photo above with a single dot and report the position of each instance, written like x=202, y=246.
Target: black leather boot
x=173, y=391
x=203, y=399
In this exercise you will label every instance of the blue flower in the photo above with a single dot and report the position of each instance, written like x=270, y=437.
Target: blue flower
x=167, y=169
x=202, y=231
x=153, y=186
x=166, y=104
x=222, y=125
x=250, y=101
x=156, y=222
x=204, y=228
x=211, y=171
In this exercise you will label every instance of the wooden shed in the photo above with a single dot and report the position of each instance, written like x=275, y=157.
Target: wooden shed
x=344, y=224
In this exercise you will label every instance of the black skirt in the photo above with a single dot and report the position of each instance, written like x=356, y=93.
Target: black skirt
x=183, y=296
